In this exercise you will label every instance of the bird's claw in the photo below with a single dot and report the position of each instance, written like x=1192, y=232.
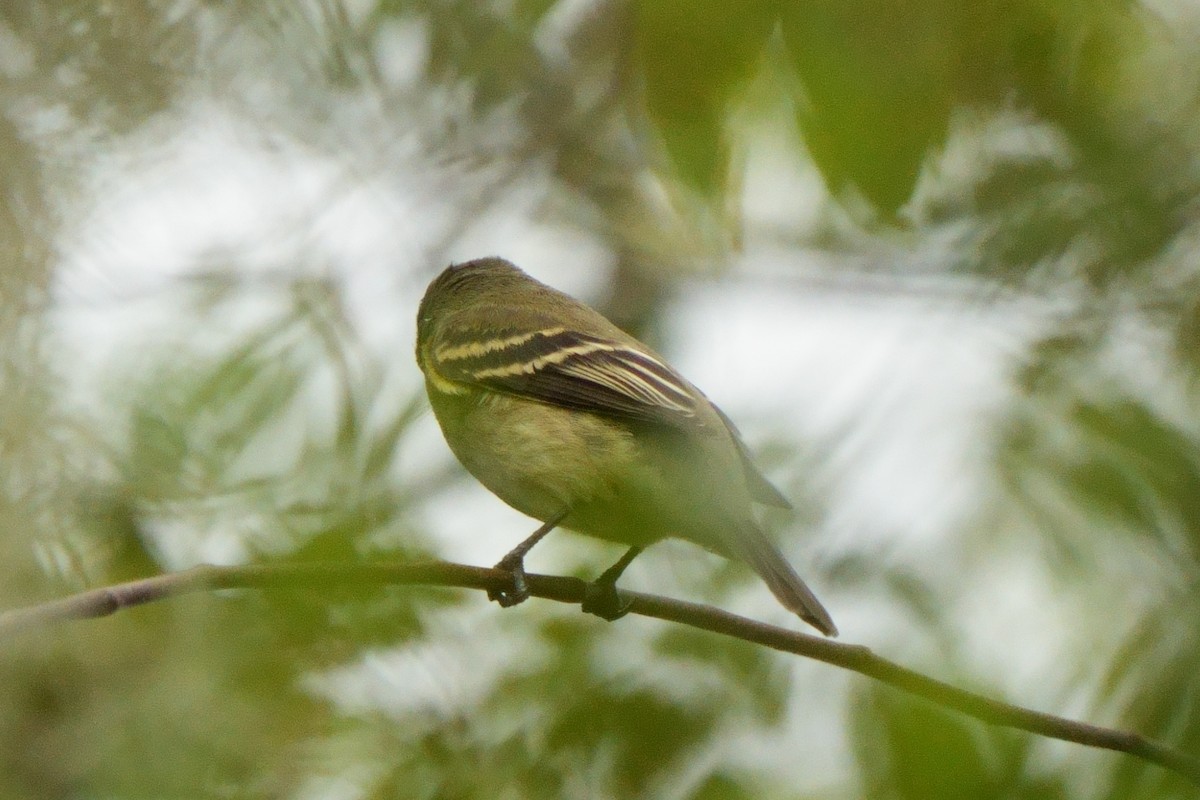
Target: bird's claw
x=602, y=599
x=516, y=589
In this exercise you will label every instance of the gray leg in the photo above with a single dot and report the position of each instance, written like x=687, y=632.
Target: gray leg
x=601, y=597
x=514, y=564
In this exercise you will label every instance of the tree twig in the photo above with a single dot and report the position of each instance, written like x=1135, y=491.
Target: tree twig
x=857, y=658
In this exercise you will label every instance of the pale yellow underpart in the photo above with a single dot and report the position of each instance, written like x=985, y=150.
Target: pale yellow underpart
x=473, y=349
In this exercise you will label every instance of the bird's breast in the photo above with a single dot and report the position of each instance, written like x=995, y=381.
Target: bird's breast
x=542, y=460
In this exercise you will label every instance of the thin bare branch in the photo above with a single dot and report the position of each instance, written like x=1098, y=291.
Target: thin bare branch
x=110, y=599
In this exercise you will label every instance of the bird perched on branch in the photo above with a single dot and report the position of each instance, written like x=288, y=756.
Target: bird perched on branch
x=574, y=422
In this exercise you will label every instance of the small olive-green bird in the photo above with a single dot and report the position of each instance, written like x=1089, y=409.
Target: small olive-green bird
x=574, y=422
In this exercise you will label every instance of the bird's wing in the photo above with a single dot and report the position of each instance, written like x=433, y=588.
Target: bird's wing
x=761, y=489
x=562, y=367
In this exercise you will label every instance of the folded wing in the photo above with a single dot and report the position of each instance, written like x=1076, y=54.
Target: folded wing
x=566, y=368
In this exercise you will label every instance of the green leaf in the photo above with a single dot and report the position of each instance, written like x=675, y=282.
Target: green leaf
x=878, y=84
x=912, y=750
x=695, y=57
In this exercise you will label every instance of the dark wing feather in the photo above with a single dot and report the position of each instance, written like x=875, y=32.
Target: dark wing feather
x=566, y=368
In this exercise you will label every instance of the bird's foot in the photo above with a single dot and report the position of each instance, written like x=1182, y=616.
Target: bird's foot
x=516, y=589
x=602, y=599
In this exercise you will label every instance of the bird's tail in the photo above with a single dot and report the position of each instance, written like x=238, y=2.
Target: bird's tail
x=752, y=546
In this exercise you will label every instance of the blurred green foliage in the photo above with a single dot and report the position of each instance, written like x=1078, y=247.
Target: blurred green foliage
x=285, y=439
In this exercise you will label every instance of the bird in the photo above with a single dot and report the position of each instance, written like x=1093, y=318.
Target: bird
x=576, y=423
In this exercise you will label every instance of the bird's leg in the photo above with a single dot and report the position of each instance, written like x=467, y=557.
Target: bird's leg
x=601, y=598
x=514, y=564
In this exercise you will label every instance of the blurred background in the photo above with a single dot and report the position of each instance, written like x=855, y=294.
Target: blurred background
x=937, y=259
